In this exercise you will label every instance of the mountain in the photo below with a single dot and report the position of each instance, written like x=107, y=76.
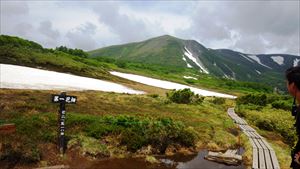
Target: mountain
x=189, y=54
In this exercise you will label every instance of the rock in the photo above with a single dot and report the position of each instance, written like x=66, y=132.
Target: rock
x=145, y=150
x=152, y=160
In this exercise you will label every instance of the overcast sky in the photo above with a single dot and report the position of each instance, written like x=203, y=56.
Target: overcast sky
x=254, y=27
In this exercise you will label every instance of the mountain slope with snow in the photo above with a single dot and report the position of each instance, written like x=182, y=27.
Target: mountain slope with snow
x=182, y=54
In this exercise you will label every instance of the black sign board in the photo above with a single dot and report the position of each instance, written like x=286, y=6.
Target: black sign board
x=62, y=99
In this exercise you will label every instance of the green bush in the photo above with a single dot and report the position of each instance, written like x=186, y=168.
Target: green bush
x=184, y=96
x=218, y=100
x=281, y=105
x=255, y=99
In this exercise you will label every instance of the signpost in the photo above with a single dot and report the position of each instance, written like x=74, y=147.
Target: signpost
x=62, y=99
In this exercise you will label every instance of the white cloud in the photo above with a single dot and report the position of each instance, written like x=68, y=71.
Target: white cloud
x=248, y=26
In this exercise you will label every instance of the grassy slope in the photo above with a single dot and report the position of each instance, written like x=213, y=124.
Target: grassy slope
x=164, y=50
x=208, y=120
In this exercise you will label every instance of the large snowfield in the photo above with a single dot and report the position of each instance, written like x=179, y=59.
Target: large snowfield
x=168, y=85
x=20, y=77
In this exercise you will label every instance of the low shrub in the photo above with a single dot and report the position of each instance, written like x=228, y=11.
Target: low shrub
x=218, y=100
x=284, y=105
x=184, y=96
x=255, y=99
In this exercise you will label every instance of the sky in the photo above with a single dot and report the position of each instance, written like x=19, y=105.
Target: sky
x=253, y=27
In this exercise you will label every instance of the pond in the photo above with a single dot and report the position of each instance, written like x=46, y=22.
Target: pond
x=178, y=161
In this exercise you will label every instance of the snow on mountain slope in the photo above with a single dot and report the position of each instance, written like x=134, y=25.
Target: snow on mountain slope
x=20, y=77
x=254, y=57
x=187, y=64
x=296, y=62
x=168, y=85
x=188, y=54
x=278, y=59
x=246, y=57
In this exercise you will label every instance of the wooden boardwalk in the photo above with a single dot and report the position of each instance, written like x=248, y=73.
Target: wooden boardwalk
x=264, y=156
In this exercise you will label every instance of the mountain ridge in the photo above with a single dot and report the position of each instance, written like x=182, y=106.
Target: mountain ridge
x=167, y=50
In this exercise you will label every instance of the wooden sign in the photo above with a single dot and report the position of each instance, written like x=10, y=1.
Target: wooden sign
x=62, y=99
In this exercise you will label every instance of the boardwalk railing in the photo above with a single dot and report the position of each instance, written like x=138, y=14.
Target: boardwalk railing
x=264, y=156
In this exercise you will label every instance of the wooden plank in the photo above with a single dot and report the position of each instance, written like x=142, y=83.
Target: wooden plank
x=257, y=144
x=55, y=167
x=274, y=160
x=267, y=144
x=254, y=158
x=252, y=143
x=268, y=159
x=257, y=135
x=262, y=144
x=261, y=157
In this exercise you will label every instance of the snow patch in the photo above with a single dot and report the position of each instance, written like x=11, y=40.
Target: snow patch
x=246, y=58
x=187, y=64
x=254, y=57
x=258, y=72
x=168, y=85
x=296, y=62
x=20, y=77
x=188, y=54
x=278, y=59
x=190, y=77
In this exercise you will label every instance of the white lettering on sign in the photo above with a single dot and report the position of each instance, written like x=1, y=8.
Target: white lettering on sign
x=62, y=123
x=68, y=99
x=62, y=133
x=56, y=98
x=63, y=112
x=73, y=100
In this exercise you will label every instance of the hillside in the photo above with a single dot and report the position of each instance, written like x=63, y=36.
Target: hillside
x=110, y=125
x=18, y=51
x=173, y=53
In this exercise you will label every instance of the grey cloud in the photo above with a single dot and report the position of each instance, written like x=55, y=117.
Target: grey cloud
x=23, y=28
x=128, y=29
x=11, y=8
x=275, y=21
x=82, y=37
x=46, y=29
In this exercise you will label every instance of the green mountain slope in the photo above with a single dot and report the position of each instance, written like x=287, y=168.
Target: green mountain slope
x=172, y=52
x=164, y=50
x=17, y=51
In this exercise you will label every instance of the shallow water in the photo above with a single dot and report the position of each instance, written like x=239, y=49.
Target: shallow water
x=196, y=161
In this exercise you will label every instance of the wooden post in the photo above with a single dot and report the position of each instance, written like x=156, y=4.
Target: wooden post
x=62, y=99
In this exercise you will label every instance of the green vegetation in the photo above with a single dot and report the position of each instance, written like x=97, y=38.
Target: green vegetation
x=113, y=124
x=76, y=52
x=14, y=50
x=270, y=114
x=184, y=96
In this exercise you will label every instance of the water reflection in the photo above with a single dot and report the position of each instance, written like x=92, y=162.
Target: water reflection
x=196, y=161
